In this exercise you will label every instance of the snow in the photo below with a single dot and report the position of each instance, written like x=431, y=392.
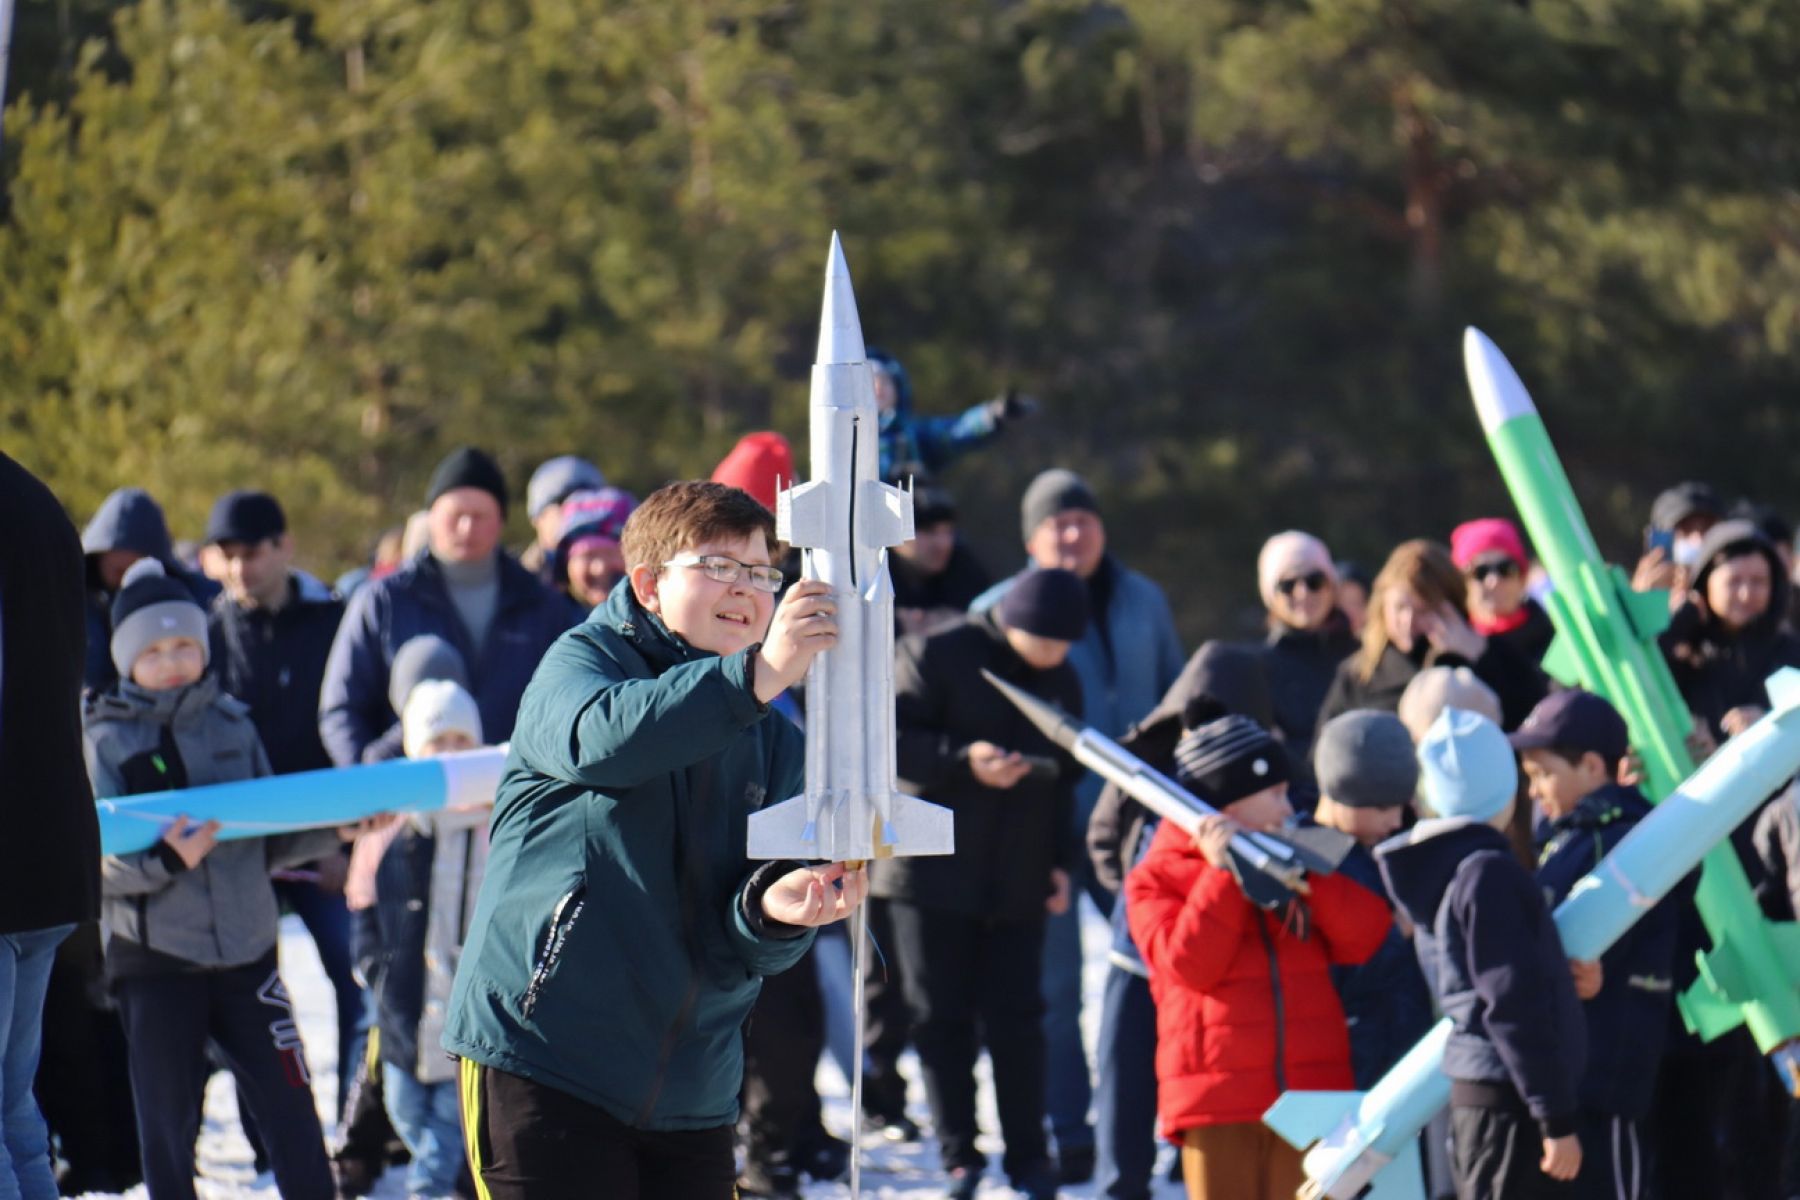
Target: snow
x=889, y=1170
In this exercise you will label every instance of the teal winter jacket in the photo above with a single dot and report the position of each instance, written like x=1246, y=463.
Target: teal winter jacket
x=618, y=943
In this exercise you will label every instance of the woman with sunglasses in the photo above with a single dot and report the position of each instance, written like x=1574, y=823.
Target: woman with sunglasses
x=1418, y=619
x=1308, y=638
x=1491, y=555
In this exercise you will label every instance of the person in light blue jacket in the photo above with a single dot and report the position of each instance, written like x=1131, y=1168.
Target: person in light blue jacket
x=1126, y=661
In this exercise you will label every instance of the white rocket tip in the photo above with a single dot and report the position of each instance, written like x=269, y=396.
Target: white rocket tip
x=1499, y=396
x=840, y=329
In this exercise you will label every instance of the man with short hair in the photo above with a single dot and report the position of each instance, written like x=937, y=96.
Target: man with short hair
x=465, y=589
x=1126, y=661
x=271, y=631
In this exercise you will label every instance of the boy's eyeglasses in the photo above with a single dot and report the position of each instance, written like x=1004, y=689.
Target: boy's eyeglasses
x=1315, y=581
x=1500, y=568
x=726, y=570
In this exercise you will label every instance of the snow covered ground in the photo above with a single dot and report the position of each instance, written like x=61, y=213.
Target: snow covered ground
x=888, y=1171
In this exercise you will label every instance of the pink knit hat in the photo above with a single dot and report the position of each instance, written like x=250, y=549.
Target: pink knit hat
x=1472, y=539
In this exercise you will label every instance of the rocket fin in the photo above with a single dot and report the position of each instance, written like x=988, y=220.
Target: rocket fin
x=1302, y=1118
x=1784, y=688
x=1648, y=612
x=884, y=515
x=802, y=515
x=918, y=827
x=1402, y=1179
x=1785, y=937
x=1560, y=662
x=784, y=830
x=1706, y=1014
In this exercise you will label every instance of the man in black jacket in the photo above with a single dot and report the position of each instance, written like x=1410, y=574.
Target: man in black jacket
x=50, y=854
x=271, y=631
x=969, y=928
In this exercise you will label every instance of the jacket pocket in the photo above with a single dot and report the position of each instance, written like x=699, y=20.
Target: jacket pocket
x=562, y=920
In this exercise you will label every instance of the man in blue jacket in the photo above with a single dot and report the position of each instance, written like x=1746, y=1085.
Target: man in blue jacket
x=1573, y=744
x=621, y=934
x=465, y=589
x=1127, y=659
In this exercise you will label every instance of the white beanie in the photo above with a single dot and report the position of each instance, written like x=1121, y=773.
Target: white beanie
x=433, y=708
x=1288, y=554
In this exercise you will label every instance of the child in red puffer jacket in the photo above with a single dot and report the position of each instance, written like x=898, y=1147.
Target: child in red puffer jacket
x=1245, y=1007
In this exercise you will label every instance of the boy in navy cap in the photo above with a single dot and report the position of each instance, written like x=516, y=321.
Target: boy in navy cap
x=1573, y=745
x=1495, y=963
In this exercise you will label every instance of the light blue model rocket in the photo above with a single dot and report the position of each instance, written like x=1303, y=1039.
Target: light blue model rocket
x=1359, y=1134
x=308, y=800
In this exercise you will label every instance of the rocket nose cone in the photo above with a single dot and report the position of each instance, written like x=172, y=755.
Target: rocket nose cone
x=1499, y=396
x=840, y=329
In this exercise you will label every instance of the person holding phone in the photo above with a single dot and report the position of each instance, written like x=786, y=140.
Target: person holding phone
x=1680, y=518
x=968, y=928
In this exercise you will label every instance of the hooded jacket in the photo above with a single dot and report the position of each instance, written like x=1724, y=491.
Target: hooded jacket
x=163, y=915
x=127, y=520
x=1245, y=1009
x=1386, y=1003
x=1629, y=1019
x=1718, y=669
x=911, y=443
x=1007, y=841
x=50, y=852
x=1492, y=957
x=354, y=709
x=275, y=664
x=618, y=942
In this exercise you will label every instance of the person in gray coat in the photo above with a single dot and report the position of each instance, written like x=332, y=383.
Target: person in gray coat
x=192, y=920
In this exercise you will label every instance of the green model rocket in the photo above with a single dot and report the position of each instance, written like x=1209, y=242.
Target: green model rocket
x=1606, y=642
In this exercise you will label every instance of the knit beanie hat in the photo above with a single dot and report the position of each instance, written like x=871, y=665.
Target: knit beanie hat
x=1468, y=766
x=1472, y=539
x=426, y=656
x=151, y=606
x=755, y=465
x=1288, y=554
x=1057, y=490
x=1228, y=759
x=1364, y=759
x=468, y=467
x=1436, y=688
x=437, y=707
x=1049, y=602
x=600, y=513
x=555, y=480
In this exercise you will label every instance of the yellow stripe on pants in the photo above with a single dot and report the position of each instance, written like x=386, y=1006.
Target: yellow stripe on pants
x=469, y=1072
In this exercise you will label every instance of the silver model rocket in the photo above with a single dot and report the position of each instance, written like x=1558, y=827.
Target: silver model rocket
x=844, y=520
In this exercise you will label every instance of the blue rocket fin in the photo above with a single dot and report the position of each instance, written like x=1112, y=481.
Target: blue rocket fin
x=1783, y=688
x=1302, y=1118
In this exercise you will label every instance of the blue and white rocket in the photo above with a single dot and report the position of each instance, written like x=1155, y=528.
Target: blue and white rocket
x=844, y=520
x=1360, y=1140
x=308, y=800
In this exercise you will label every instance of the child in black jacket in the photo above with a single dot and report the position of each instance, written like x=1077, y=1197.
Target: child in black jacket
x=1496, y=965
x=1573, y=744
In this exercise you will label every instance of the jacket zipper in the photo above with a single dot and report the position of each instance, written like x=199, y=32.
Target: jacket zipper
x=562, y=919
x=1262, y=928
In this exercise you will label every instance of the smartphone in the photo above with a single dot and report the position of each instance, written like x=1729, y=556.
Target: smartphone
x=1041, y=768
x=1659, y=539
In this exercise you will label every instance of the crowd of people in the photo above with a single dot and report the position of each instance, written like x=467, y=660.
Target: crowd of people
x=589, y=981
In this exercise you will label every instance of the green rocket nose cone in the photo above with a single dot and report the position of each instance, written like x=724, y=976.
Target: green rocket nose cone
x=1499, y=396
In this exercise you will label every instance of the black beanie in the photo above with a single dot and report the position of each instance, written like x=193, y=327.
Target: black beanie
x=1225, y=760
x=467, y=467
x=1054, y=491
x=1050, y=603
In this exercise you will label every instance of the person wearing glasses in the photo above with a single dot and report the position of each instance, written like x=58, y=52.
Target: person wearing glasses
x=621, y=935
x=1418, y=618
x=1308, y=638
x=1491, y=555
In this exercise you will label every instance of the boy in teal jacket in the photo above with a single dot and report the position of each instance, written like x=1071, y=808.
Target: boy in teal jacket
x=621, y=934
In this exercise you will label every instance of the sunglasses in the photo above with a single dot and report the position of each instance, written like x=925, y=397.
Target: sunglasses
x=1500, y=568
x=1314, y=581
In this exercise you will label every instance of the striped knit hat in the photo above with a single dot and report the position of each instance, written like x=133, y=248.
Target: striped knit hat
x=1230, y=758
